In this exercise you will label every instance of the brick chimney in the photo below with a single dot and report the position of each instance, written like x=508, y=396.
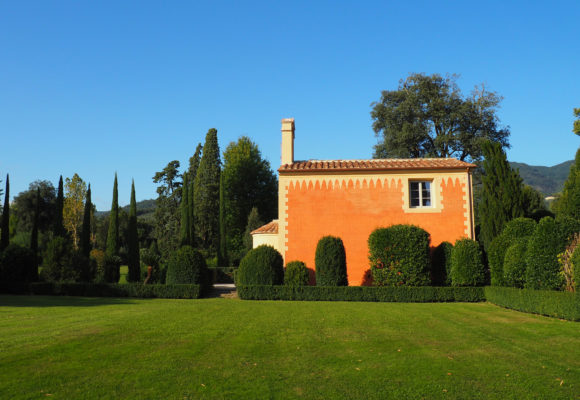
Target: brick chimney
x=287, y=156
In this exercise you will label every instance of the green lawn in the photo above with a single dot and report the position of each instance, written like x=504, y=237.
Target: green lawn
x=86, y=348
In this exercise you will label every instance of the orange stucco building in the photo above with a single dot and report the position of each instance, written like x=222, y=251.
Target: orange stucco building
x=351, y=198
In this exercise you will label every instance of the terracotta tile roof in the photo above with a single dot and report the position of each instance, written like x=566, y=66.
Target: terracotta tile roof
x=271, y=228
x=375, y=164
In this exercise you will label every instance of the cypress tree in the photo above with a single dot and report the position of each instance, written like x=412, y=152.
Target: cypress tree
x=185, y=230
x=223, y=251
x=113, y=233
x=206, y=194
x=502, y=196
x=190, y=211
x=5, y=234
x=192, y=173
x=86, y=229
x=58, y=215
x=33, y=277
x=133, y=241
x=569, y=202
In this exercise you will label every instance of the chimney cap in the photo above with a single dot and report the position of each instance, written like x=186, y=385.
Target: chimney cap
x=288, y=121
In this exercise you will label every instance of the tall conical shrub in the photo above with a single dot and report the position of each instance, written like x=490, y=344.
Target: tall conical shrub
x=185, y=229
x=58, y=228
x=86, y=230
x=193, y=167
x=33, y=275
x=133, y=241
x=5, y=233
x=206, y=194
x=223, y=252
x=113, y=233
x=330, y=262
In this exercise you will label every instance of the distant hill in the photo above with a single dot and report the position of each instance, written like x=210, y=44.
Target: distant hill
x=548, y=180
x=145, y=209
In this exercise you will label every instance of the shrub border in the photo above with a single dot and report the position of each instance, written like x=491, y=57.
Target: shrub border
x=423, y=294
x=551, y=303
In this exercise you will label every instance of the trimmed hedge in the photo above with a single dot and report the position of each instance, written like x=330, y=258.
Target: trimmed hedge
x=399, y=255
x=424, y=294
x=116, y=290
x=330, y=262
x=514, y=264
x=296, y=274
x=565, y=305
x=186, y=266
x=16, y=264
x=466, y=266
x=261, y=266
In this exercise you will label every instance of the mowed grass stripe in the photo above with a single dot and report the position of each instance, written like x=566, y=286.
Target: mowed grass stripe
x=103, y=348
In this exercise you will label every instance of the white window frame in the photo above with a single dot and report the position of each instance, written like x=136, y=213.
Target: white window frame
x=421, y=189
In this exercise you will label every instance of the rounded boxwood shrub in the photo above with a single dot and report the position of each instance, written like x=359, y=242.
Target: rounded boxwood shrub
x=466, y=266
x=330, y=260
x=399, y=255
x=514, y=265
x=550, y=238
x=441, y=265
x=296, y=274
x=515, y=229
x=186, y=266
x=261, y=266
x=16, y=264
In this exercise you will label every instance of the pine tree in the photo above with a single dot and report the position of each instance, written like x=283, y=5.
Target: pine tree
x=206, y=194
x=185, y=230
x=86, y=229
x=223, y=251
x=58, y=218
x=192, y=173
x=113, y=233
x=569, y=202
x=133, y=241
x=502, y=197
x=33, y=277
x=5, y=233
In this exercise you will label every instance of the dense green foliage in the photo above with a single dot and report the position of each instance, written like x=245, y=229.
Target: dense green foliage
x=502, y=197
x=192, y=173
x=407, y=294
x=5, y=226
x=86, y=229
x=564, y=305
x=576, y=268
x=185, y=213
x=399, y=255
x=17, y=264
x=296, y=274
x=113, y=232
x=428, y=116
x=549, y=239
x=167, y=209
x=112, y=271
x=515, y=229
x=34, y=239
x=177, y=291
x=330, y=262
x=568, y=204
x=467, y=268
x=24, y=207
x=261, y=266
x=58, y=227
x=186, y=266
x=57, y=265
x=441, y=265
x=254, y=222
x=514, y=265
x=248, y=182
x=206, y=194
x=133, y=263
x=222, y=254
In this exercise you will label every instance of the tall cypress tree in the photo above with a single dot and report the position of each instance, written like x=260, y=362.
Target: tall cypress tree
x=193, y=167
x=185, y=228
x=223, y=251
x=5, y=233
x=502, y=197
x=133, y=241
x=58, y=215
x=206, y=194
x=86, y=229
x=569, y=202
x=33, y=276
x=113, y=233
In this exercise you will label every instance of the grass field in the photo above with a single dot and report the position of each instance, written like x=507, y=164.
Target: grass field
x=87, y=348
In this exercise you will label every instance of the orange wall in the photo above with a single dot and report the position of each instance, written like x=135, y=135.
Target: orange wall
x=352, y=208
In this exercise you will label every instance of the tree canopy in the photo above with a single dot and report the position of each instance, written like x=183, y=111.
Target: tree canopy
x=569, y=201
x=167, y=209
x=428, y=116
x=25, y=206
x=73, y=210
x=576, y=128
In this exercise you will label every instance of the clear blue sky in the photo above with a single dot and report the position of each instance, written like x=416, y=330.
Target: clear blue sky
x=127, y=86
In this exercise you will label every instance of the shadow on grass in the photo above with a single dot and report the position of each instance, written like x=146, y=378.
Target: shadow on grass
x=60, y=301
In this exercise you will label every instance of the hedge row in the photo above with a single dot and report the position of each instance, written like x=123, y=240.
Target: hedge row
x=565, y=305
x=106, y=290
x=423, y=294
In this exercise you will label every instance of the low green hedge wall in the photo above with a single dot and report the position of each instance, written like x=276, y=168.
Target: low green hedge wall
x=423, y=294
x=565, y=305
x=116, y=290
